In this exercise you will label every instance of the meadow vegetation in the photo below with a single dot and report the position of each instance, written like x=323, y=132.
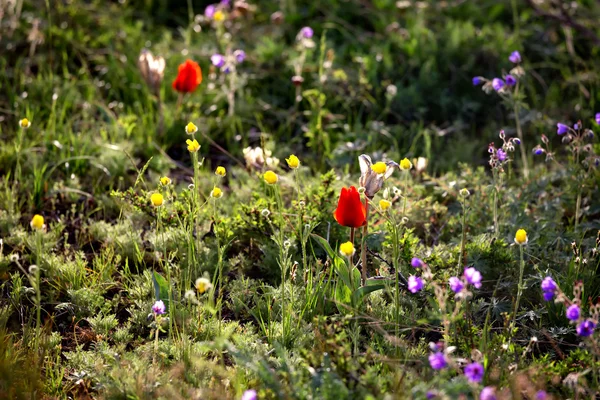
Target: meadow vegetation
x=336, y=199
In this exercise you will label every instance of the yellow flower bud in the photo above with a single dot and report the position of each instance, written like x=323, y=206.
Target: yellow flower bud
x=165, y=181
x=293, y=162
x=347, y=249
x=190, y=128
x=521, y=237
x=192, y=145
x=220, y=171
x=157, y=199
x=270, y=177
x=37, y=222
x=379, y=167
x=384, y=204
x=405, y=164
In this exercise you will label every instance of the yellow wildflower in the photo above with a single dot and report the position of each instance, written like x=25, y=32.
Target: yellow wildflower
x=24, y=123
x=157, y=199
x=405, y=164
x=216, y=193
x=37, y=222
x=347, y=249
x=270, y=177
x=379, y=167
x=165, y=181
x=190, y=128
x=220, y=171
x=293, y=162
x=521, y=237
x=384, y=204
x=192, y=145
x=203, y=285
x=219, y=16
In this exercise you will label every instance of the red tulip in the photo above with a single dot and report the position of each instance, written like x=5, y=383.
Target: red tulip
x=350, y=211
x=188, y=77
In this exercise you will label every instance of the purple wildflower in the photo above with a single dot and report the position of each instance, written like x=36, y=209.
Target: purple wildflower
x=586, y=328
x=573, y=312
x=501, y=154
x=437, y=360
x=541, y=395
x=497, y=84
x=549, y=287
x=515, y=57
x=159, y=308
x=217, y=60
x=577, y=126
x=538, y=151
x=306, y=32
x=209, y=11
x=417, y=262
x=473, y=277
x=249, y=394
x=477, y=81
x=474, y=372
x=225, y=2
x=516, y=141
x=415, y=284
x=510, y=80
x=456, y=285
x=240, y=56
x=430, y=395
x=561, y=129
x=598, y=118
x=488, y=393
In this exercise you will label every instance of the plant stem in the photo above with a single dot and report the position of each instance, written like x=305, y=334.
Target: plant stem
x=363, y=249
x=463, y=240
x=520, y=287
x=520, y=135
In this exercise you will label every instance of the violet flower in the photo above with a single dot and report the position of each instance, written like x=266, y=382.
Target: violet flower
x=515, y=57
x=415, y=284
x=474, y=372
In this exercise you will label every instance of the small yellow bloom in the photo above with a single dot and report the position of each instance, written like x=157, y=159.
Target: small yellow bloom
x=384, y=204
x=521, y=237
x=270, y=177
x=405, y=164
x=192, y=145
x=379, y=167
x=157, y=199
x=37, y=222
x=220, y=171
x=24, y=123
x=190, y=128
x=293, y=162
x=347, y=249
x=203, y=285
x=216, y=193
x=219, y=16
x=165, y=181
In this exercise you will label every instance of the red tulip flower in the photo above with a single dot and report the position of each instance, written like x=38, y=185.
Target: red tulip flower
x=188, y=77
x=350, y=211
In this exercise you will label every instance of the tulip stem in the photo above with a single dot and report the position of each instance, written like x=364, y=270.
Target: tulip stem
x=352, y=241
x=363, y=250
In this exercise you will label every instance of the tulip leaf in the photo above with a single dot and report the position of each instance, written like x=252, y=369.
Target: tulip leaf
x=365, y=290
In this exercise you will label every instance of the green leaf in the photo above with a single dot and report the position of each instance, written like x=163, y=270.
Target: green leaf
x=365, y=290
x=161, y=288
